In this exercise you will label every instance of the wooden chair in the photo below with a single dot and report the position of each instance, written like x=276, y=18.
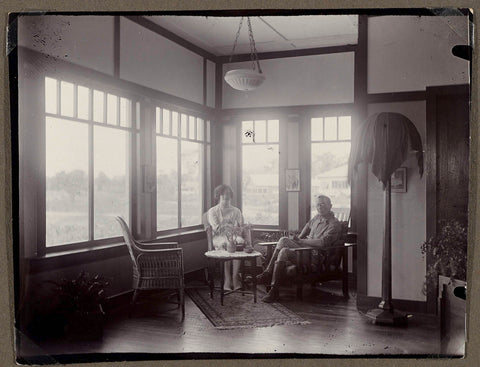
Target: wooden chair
x=156, y=266
x=332, y=263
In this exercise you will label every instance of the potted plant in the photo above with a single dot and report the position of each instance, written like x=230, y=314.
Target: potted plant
x=232, y=233
x=447, y=251
x=80, y=302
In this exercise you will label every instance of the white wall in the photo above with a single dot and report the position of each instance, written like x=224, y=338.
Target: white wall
x=85, y=40
x=151, y=60
x=296, y=81
x=408, y=219
x=407, y=53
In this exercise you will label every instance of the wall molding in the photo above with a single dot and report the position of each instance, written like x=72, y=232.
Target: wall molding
x=289, y=53
x=418, y=95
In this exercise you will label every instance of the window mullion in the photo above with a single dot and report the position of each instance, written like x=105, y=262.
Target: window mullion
x=179, y=181
x=91, y=170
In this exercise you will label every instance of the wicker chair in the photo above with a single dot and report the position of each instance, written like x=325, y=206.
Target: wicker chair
x=156, y=266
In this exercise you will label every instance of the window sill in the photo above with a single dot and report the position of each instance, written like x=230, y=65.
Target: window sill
x=75, y=257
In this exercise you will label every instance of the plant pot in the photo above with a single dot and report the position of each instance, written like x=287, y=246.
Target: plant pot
x=452, y=311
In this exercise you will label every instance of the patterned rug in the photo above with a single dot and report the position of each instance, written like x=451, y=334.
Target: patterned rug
x=240, y=312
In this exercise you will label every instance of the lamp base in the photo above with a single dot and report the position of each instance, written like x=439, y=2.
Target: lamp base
x=387, y=317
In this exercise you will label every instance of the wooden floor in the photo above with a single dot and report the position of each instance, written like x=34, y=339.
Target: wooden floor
x=336, y=328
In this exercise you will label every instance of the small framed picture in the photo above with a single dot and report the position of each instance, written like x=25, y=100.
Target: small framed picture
x=399, y=180
x=293, y=180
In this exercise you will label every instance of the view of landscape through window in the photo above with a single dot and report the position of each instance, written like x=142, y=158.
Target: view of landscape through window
x=330, y=149
x=181, y=141
x=260, y=172
x=80, y=134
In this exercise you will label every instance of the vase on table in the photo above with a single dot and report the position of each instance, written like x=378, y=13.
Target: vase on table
x=231, y=246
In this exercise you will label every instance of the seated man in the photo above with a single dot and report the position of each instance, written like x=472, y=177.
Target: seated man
x=320, y=232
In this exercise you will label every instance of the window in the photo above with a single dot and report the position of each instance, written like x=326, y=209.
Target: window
x=183, y=148
x=330, y=149
x=260, y=171
x=88, y=134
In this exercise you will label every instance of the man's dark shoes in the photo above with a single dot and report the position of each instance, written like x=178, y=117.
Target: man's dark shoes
x=264, y=278
x=272, y=296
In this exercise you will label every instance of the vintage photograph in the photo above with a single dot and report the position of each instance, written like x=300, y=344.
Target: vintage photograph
x=220, y=184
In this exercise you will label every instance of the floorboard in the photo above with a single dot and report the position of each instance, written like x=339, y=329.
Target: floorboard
x=336, y=328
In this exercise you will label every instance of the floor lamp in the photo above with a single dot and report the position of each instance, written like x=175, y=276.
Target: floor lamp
x=383, y=141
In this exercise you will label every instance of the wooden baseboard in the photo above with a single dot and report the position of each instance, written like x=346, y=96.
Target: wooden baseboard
x=365, y=303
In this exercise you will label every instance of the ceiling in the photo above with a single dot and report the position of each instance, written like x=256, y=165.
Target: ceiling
x=271, y=33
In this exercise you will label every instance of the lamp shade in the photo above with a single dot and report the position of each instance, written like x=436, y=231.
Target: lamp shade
x=244, y=79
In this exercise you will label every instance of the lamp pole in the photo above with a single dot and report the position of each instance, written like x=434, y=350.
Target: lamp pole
x=385, y=313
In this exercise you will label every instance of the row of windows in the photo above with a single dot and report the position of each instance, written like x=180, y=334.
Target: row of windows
x=89, y=137
x=183, y=156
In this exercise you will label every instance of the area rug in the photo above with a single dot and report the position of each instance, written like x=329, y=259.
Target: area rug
x=239, y=312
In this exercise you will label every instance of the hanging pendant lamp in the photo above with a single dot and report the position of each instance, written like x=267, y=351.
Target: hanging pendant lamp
x=245, y=79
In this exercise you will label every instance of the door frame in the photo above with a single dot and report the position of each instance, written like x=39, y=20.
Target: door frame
x=432, y=95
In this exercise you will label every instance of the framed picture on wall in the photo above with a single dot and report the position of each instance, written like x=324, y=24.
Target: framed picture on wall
x=293, y=180
x=399, y=180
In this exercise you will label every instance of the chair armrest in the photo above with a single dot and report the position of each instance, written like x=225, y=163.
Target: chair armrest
x=155, y=245
x=266, y=244
x=303, y=249
x=351, y=237
x=159, y=250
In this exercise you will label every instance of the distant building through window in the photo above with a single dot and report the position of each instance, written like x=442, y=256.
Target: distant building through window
x=330, y=149
x=260, y=172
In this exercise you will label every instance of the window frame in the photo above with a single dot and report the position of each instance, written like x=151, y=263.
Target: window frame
x=282, y=144
x=133, y=131
x=323, y=112
x=206, y=170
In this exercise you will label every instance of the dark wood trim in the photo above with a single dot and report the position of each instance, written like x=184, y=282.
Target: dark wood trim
x=359, y=212
x=432, y=93
x=282, y=166
x=289, y=110
x=66, y=259
x=218, y=87
x=431, y=182
x=289, y=53
x=116, y=46
x=306, y=164
x=205, y=81
x=61, y=68
x=148, y=24
x=418, y=95
x=365, y=303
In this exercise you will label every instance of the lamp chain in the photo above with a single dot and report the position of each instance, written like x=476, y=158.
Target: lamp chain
x=253, y=49
x=236, y=39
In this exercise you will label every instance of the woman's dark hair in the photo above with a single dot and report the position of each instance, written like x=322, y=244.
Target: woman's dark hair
x=221, y=190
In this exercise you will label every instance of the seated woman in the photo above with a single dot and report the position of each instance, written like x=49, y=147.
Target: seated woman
x=219, y=216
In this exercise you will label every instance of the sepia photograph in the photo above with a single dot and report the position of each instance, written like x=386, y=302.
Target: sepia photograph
x=218, y=184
